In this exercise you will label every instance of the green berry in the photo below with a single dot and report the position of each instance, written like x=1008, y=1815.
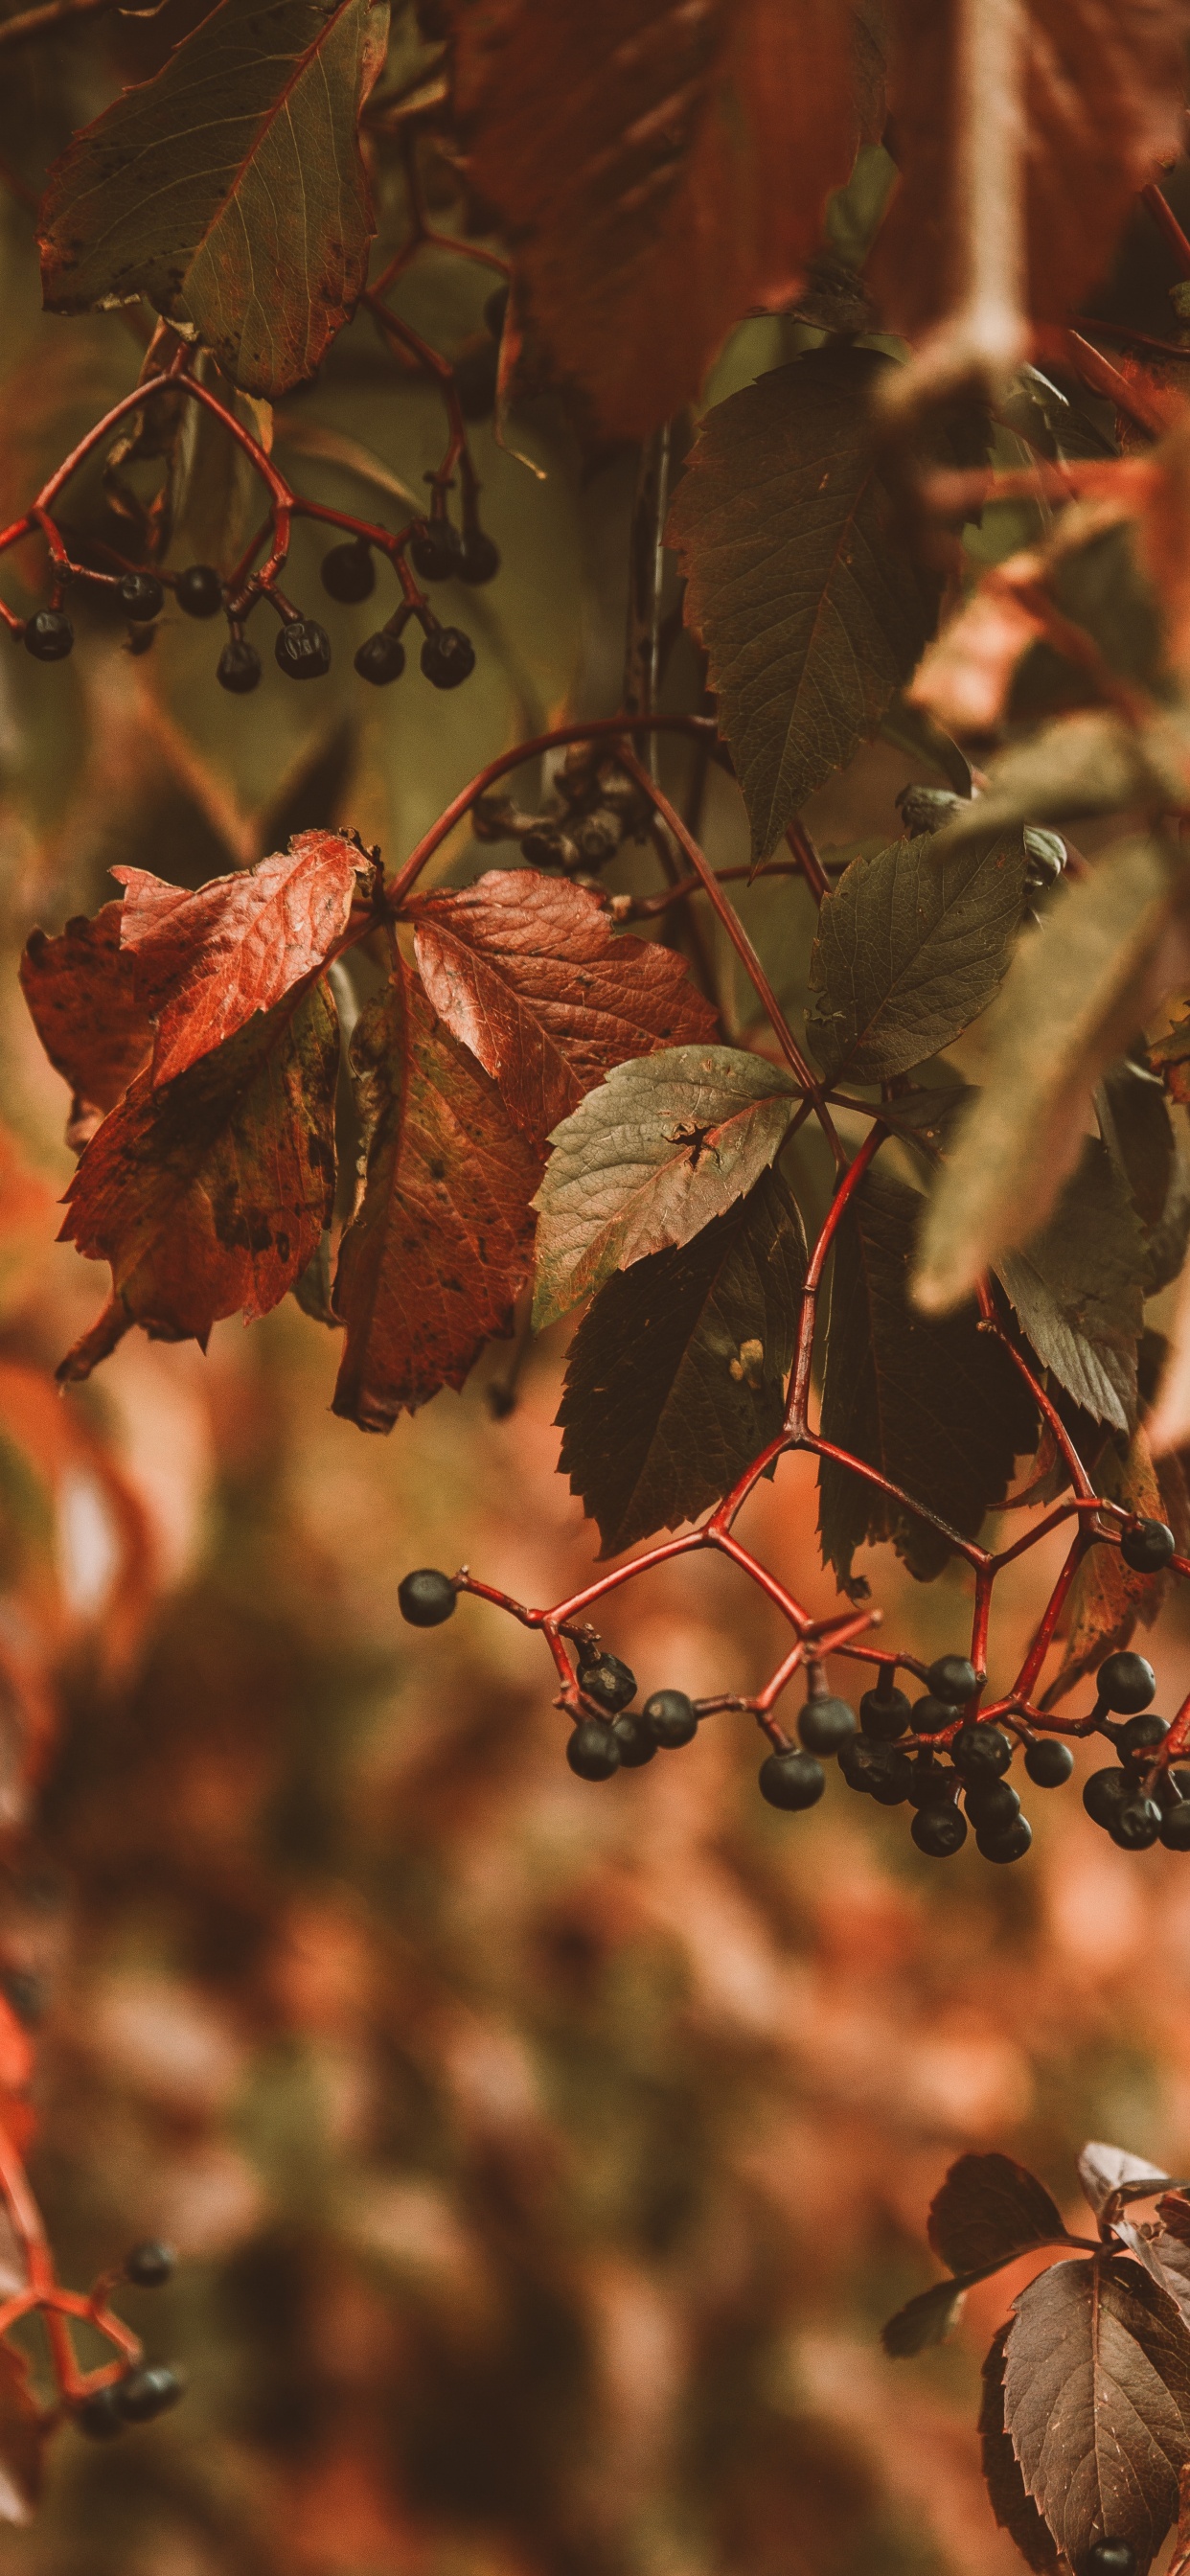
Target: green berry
x=1011, y=1843
x=349, y=572
x=1126, y=1683
x=1049, y=1762
x=592, y=1750
x=426, y=1598
x=884, y=1714
x=953, y=1678
x=1147, y=1547
x=199, y=591
x=608, y=1682
x=939, y=1831
x=791, y=1780
x=671, y=1717
x=825, y=1724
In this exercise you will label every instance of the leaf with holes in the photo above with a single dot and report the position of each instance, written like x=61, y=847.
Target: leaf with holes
x=938, y=1409
x=988, y=2210
x=646, y=1160
x=529, y=973
x=1014, y=2510
x=1078, y=1289
x=800, y=583
x=440, y=1243
x=676, y=1375
x=1107, y=1597
x=211, y=1192
x=229, y=189
x=81, y=995
x=1097, y=2404
x=911, y=947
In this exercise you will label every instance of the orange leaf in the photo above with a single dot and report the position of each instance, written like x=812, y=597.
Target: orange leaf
x=82, y=1000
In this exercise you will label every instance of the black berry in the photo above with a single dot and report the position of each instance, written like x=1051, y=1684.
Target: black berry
x=980, y=1752
x=931, y=1782
x=447, y=656
x=671, y=1717
x=434, y=552
x=495, y=310
x=147, y=2392
x=1011, y=1843
x=608, y=1682
x=884, y=1714
x=1170, y=1787
x=992, y=1805
x=1138, y=1732
x=475, y=372
x=825, y=1724
x=349, y=573
x=890, y=1776
x=1147, y=1547
x=592, y=1750
x=381, y=658
x=939, y=1831
x=932, y=1716
x=1104, y=1794
x=303, y=649
x=98, y=2416
x=140, y=595
x=953, y=1678
x=1136, y=1824
x=49, y=636
x=636, y=1741
x=199, y=591
x=238, y=668
x=150, y=2265
x=480, y=558
x=1049, y=1762
x=1175, y=1826
x=1109, y=2558
x=791, y=1780
x=426, y=1598
x=1126, y=1683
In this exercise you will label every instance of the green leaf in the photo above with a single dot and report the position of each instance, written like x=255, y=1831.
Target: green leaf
x=911, y=947
x=936, y=1407
x=676, y=1375
x=1078, y=1289
x=801, y=585
x=1077, y=990
x=648, y=1158
x=229, y=189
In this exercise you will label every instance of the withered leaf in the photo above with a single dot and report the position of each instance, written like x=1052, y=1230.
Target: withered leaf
x=676, y=1374
x=1079, y=1288
x=988, y=2210
x=1107, y=1597
x=1111, y=2175
x=911, y=947
x=529, y=973
x=82, y=1000
x=1014, y=2510
x=1097, y=2403
x=648, y=1158
x=211, y=1192
x=439, y=1245
x=204, y=961
x=229, y=189
x=936, y=1407
x=801, y=585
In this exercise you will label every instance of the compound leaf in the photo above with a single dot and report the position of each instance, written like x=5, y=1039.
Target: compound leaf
x=1097, y=2404
x=806, y=595
x=911, y=947
x=82, y=1000
x=676, y=1374
x=1014, y=2510
x=229, y=189
x=988, y=2210
x=1079, y=1288
x=529, y=973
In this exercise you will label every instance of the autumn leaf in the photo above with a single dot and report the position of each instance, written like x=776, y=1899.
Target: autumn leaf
x=229, y=189
x=1097, y=2403
x=989, y=2210
x=1078, y=1289
x=938, y=1408
x=659, y=172
x=648, y=1158
x=81, y=994
x=676, y=1375
x=928, y=2319
x=1135, y=1126
x=210, y=1193
x=1111, y=2175
x=205, y=961
x=911, y=947
x=805, y=592
x=439, y=1245
x=529, y=974
x=1014, y=2509
x=23, y=2434
x=1107, y=1597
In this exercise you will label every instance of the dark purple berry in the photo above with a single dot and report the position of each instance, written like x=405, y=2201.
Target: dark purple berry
x=1175, y=1826
x=140, y=595
x=608, y=1682
x=672, y=1718
x=150, y=2265
x=1049, y=1762
x=932, y=1782
x=931, y=1716
x=426, y=1597
x=480, y=558
x=592, y=1750
x=1126, y=1683
x=381, y=658
x=939, y=1831
x=825, y=1724
x=447, y=656
x=99, y=2416
x=1139, y=1732
x=349, y=573
x=980, y=1752
x=238, y=668
x=1104, y=1794
x=791, y=1780
x=1109, y=2558
x=1136, y=1824
x=147, y=2392
x=434, y=552
x=199, y=591
x=303, y=649
x=884, y=1714
x=890, y=1775
x=636, y=1741
x=1010, y=1843
x=1147, y=1547
x=49, y=636
x=953, y=1678
x=992, y=1805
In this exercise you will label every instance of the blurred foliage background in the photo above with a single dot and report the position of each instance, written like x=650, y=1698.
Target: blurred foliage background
x=543, y=2158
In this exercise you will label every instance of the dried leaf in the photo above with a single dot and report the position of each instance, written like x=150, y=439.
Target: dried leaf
x=1110, y=2174
x=800, y=583
x=229, y=189
x=529, y=973
x=665, y=1144
x=1079, y=1288
x=440, y=1242
x=210, y=1193
x=82, y=1000
x=1107, y=1597
x=911, y=946
x=661, y=173
x=676, y=1375
x=988, y=2210
x=938, y=1408
x=1097, y=2403
x=1014, y=2510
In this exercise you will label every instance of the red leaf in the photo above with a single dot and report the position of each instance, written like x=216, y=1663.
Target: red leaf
x=82, y=999
x=528, y=972
x=205, y=961
x=1097, y=2404
x=211, y=1193
x=439, y=1245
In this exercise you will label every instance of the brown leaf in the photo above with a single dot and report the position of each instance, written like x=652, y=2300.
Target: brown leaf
x=529, y=974
x=1110, y=2176
x=1014, y=2510
x=988, y=2210
x=662, y=171
x=23, y=2433
x=1107, y=1597
x=440, y=1242
x=1097, y=2403
x=81, y=995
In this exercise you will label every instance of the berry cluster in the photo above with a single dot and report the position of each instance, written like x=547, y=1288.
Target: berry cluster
x=137, y=2394
x=596, y=806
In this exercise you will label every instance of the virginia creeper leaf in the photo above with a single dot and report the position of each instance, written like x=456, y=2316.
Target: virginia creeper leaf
x=205, y=961
x=648, y=1158
x=1014, y=2510
x=229, y=189
x=1165, y=2250
x=927, y=2319
x=529, y=973
x=1077, y=990
x=938, y=1408
x=988, y=2210
x=661, y=172
x=911, y=946
x=440, y=1242
x=1107, y=1597
x=1135, y=1126
x=1111, y=2174
x=1079, y=1288
x=210, y=1193
x=676, y=1374
x=1097, y=2403
x=82, y=1000
x=805, y=591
